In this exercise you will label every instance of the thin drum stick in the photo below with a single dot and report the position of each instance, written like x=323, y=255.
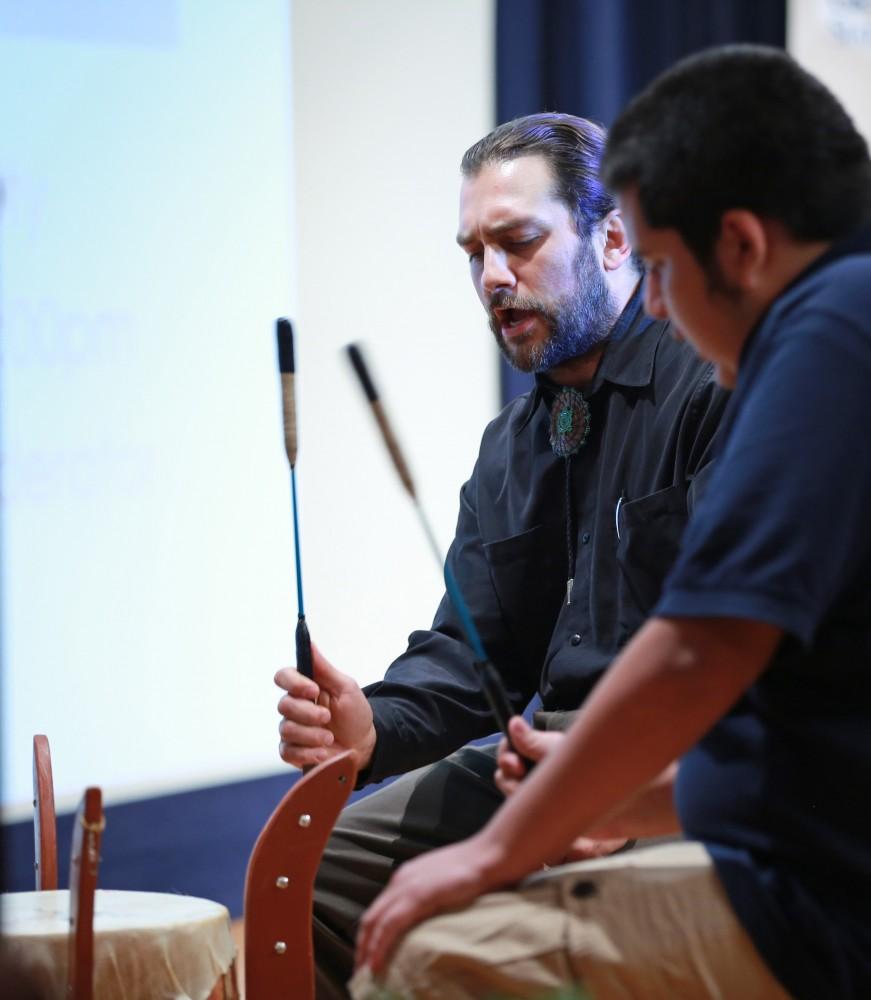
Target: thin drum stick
x=491, y=683
x=287, y=370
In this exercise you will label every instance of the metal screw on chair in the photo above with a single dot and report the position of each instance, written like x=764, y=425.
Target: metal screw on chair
x=280, y=947
x=343, y=778
x=305, y=820
x=282, y=881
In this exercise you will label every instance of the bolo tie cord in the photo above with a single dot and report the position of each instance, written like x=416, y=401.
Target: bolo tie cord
x=570, y=531
x=569, y=430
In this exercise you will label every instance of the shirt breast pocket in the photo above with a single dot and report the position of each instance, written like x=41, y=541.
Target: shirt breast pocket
x=649, y=534
x=528, y=574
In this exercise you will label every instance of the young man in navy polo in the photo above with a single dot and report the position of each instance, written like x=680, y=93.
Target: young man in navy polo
x=747, y=193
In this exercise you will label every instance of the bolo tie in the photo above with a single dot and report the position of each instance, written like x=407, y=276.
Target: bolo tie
x=569, y=430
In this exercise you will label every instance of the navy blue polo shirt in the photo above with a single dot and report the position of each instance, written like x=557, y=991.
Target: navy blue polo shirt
x=779, y=791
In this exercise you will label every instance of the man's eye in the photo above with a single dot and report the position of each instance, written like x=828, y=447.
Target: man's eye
x=475, y=256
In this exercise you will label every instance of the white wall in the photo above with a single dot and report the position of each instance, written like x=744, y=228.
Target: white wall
x=832, y=39
x=388, y=95
x=147, y=244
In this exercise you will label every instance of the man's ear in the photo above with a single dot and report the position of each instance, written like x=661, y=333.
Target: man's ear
x=616, y=249
x=742, y=249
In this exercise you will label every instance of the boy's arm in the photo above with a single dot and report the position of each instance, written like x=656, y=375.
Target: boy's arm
x=673, y=681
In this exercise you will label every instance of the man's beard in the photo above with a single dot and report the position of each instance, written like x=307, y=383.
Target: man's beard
x=577, y=323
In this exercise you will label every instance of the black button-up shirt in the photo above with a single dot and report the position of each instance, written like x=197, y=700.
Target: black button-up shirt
x=653, y=412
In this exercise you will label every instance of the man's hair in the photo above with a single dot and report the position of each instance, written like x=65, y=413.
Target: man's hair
x=573, y=149
x=741, y=126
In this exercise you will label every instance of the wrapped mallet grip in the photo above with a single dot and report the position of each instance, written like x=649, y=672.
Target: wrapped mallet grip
x=304, y=650
x=287, y=369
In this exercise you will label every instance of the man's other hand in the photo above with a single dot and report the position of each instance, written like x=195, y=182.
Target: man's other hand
x=533, y=744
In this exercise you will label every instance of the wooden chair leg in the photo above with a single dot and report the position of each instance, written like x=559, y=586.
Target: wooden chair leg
x=84, y=865
x=279, y=957
x=44, y=821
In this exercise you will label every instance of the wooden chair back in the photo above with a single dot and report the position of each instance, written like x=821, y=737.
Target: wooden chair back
x=279, y=954
x=84, y=865
x=44, y=822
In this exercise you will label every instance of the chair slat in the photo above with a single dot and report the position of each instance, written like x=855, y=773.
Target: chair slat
x=44, y=821
x=279, y=958
x=84, y=865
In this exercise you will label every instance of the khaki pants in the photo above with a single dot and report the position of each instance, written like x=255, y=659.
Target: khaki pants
x=422, y=810
x=653, y=924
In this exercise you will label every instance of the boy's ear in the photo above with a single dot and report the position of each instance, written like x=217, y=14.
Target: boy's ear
x=742, y=249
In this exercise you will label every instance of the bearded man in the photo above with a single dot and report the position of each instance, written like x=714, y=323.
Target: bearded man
x=569, y=522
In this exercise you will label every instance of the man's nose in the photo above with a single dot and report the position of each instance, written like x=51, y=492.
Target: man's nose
x=496, y=273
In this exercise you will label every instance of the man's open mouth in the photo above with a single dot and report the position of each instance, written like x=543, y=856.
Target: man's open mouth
x=514, y=321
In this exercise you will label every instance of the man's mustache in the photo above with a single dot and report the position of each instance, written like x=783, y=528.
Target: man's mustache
x=506, y=300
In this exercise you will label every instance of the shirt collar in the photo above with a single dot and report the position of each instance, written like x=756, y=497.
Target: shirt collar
x=627, y=359
x=857, y=242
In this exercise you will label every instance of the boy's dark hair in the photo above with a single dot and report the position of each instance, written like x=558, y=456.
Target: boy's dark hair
x=573, y=148
x=741, y=126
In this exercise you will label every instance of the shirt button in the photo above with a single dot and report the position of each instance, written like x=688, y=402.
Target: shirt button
x=575, y=640
x=585, y=537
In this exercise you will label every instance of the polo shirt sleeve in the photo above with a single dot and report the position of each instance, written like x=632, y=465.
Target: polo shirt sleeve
x=785, y=524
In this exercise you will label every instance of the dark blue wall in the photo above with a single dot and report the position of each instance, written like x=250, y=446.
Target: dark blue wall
x=196, y=842
x=589, y=57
